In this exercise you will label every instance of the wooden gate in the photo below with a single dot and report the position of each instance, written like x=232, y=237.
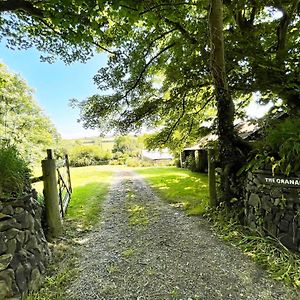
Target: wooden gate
x=64, y=184
x=57, y=191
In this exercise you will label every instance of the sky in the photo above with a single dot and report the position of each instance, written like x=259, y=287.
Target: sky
x=55, y=84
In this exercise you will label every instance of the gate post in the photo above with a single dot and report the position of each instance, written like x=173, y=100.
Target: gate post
x=53, y=217
x=212, y=178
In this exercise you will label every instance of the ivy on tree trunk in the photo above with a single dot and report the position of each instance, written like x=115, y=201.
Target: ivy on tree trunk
x=229, y=154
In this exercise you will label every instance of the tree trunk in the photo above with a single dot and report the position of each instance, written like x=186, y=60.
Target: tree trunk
x=228, y=153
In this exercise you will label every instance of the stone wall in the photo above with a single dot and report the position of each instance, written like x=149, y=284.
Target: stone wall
x=272, y=206
x=24, y=251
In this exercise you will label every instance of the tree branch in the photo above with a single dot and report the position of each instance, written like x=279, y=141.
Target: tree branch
x=204, y=105
x=283, y=27
x=184, y=32
x=62, y=35
x=166, y=4
x=156, y=39
x=178, y=120
x=21, y=5
x=137, y=81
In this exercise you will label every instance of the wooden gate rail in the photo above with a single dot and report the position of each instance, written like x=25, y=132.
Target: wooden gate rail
x=64, y=186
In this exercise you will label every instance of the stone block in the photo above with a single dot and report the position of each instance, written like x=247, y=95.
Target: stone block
x=31, y=243
x=8, y=224
x=7, y=276
x=5, y=290
x=11, y=246
x=249, y=176
x=42, y=268
x=22, y=218
x=21, y=278
x=21, y=237
x=27, y=270
x=284, y=225
x=289, y=215
x=276, y=193
x=254, y=200
x=266, y=203
x=278, y=217
x=11, y=233
x=27, y=234
x=5, y=260
x=272, y=229
x=292, y=196
x=8, y=210
x=19, y=210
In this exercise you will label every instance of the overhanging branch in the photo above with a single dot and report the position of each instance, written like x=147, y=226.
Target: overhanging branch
x=139, y=78
x=21, y=5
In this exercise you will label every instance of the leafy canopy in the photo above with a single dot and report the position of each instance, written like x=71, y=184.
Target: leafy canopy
x=158, y=72
x=160, y=75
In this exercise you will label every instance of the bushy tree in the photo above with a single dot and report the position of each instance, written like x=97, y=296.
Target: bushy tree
x=129, y=145
x=22, y=122
x=87, y=155
x=159, y=70
x=14, y=172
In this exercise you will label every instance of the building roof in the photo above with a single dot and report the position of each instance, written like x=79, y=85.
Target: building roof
x=245, y=130
x=163, y=154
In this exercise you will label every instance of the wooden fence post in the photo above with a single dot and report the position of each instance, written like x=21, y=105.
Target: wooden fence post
x=53, y=217
x=212, y=179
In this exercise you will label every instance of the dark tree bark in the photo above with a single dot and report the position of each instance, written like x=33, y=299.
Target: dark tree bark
x=21, y=5
x=229, y=154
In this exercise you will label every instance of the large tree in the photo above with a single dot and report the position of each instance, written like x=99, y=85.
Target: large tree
x=159, y=69
x=22, y=121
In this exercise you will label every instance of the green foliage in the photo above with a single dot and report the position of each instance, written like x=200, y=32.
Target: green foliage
x=280, y=263
x=14, y=172
x=182, y=188
x=130, y=146
x=87, y=155
x=279, y=148
x=22, y=122
x=161, y=75
x=191, y=163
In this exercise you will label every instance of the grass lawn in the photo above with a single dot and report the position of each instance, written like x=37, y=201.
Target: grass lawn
x=181, y=187
x=90, y=186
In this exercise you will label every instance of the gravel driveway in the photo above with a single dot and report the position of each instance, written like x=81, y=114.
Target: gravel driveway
x=145, y=249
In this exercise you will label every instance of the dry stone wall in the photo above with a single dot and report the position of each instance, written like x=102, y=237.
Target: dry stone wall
x=272, y=205
x=24, y=251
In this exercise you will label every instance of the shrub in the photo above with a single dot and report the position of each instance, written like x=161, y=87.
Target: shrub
x=14, y=172
x=87, y=155
x=280, y=148
x=191, y=163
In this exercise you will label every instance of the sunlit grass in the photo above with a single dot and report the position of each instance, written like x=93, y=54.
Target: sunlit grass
x=90, y=187
x=183, y=188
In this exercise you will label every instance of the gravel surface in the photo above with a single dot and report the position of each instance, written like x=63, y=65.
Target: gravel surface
x=145, y=249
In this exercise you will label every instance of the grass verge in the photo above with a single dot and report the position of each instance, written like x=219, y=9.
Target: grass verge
x=280, y=263
x=90, y=186
x=180, y=187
